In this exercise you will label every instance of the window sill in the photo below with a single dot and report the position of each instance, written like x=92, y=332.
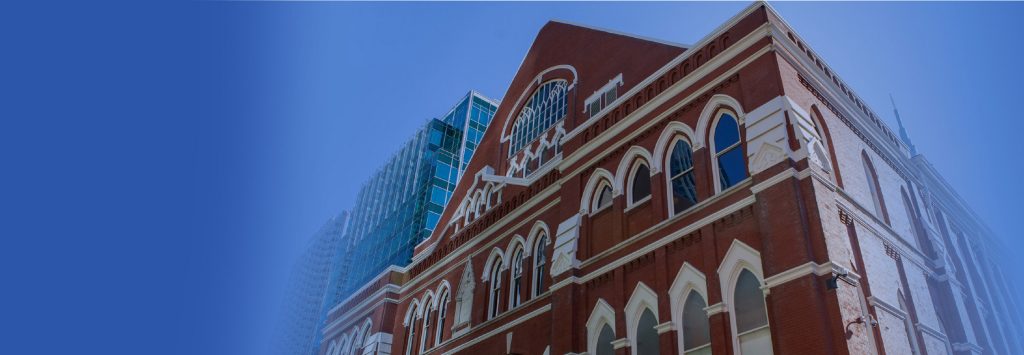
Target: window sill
x=637, y=204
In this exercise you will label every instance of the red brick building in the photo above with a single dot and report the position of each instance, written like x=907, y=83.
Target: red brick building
x=732, y=197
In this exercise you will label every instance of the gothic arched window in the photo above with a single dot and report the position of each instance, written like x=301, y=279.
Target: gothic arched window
x=751, y=316
x=696, y=330
x=495, y=289
x=515, y=296
x=646, y=335
x=603, y=198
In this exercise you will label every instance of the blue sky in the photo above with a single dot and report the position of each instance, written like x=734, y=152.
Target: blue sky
x=163, y=165
x=353, y=81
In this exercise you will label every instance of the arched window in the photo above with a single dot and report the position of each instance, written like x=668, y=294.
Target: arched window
x=410, y=330
x=603, y=198
x=545, y=107
x=442, y=317
x=873, y=186
x=364, y=341
x=640, y=187
x=680, y=168
x=515, y=297
x=427, y=310
x=357, y=344
x=495, y=289
x=732, y=166
x=540, y=260
x=604, y=341
x=751, y=316
x=696, y=330
x=646, y=336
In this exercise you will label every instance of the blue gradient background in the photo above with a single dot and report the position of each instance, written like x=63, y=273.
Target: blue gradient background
x=163, y=165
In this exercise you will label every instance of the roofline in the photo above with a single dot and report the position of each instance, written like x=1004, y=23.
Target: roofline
x=645, y=38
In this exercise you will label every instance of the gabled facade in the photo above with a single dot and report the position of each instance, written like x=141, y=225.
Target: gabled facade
x=730, y=197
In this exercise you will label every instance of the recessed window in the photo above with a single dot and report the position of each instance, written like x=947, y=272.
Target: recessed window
x=517, y=279
x=540, y=260
x=603, y=97
x=442, y=317
x=646, y=336
x=603, y=199
x=732, y=167
x=545, y=107
x=684, y=191
x=696, y=330
x=495, y=289
x=874, y=187
x=604, y=341
x=751, y=316
x=641, y=187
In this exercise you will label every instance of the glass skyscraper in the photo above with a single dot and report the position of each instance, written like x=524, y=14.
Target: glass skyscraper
x=401, y=204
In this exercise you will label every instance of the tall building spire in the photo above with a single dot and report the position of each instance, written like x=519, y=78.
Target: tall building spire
x=903, y=130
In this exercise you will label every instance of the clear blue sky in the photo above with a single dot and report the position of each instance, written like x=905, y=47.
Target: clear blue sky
x=164, y=165
x=353, y=81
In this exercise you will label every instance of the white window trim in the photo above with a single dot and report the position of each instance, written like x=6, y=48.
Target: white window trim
x=715, y=152
x=511, y=275
x=668, y=173
x=739, y=257
x=689, y=278
x=602, y=314
x=597, y=196
x=630, y=180
x=547, y=262
x=597, y=178
x=643, y=298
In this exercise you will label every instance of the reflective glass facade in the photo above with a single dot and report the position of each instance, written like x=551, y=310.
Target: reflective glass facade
x=401, y=204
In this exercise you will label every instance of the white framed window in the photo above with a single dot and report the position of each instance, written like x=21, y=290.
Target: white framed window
x=603, y=197
x=540, y=261
x=495, y=291
x=680, y=176
x=516, y=279
x=639, y=188
x=601, y=329
x=428, y=311
x=751, y=316
x=729, y=156
x=696, y=330
x=442, y=316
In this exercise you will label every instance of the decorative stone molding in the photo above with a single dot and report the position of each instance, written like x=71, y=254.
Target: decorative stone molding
x=665, y=327
x=620, y=343
x=564, y=255
x=768, y=155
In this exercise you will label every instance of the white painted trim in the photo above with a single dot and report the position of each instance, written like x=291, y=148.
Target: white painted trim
x=497, y=255
x=631, y=161
x=597, y=180
x=688, y=279
x=535, y=83
x=667, y=140
x=602, y=314
x=497, y=330
x=739, y=257
x=613, y=83
x=740, y=144
x=643, y=298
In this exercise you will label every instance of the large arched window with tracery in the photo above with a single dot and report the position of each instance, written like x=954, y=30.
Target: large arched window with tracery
x=729, y=156
x=546, y=106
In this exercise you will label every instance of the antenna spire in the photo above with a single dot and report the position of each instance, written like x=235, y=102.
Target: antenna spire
x=903, y=131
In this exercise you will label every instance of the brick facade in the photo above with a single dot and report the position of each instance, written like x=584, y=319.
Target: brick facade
x=920, y=275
